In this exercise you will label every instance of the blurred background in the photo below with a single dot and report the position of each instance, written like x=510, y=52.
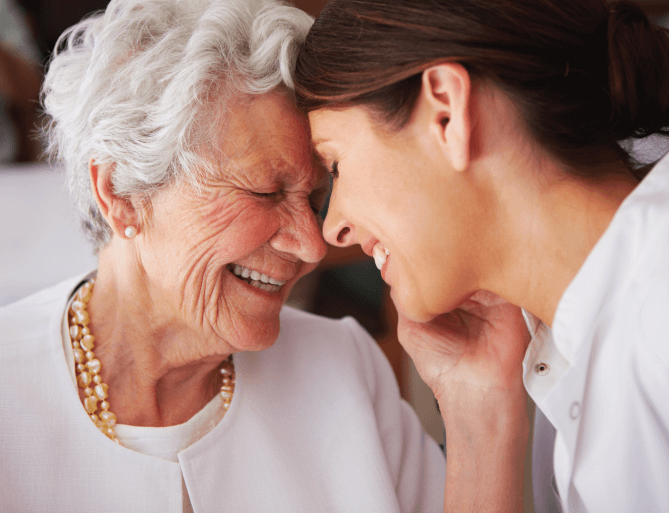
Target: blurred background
x=41, y=241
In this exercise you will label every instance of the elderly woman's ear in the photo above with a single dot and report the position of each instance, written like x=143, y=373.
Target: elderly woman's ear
x=119, y=212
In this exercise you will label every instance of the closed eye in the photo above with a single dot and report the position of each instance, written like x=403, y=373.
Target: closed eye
x=274, y=194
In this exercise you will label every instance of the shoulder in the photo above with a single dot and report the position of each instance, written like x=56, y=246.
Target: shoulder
x=650, y=320
x=345, y=335
x=643, y=302
x=331, y=344
x=643, y=219
x=639, y=301
x=297, y=323
x=30, y=317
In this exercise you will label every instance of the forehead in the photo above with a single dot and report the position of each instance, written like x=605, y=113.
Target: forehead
x=348, y=124
x=266, y=133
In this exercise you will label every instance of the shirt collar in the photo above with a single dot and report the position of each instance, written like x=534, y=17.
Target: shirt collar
x=609, y=265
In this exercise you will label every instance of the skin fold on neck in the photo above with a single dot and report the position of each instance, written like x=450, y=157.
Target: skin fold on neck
x=153, y=380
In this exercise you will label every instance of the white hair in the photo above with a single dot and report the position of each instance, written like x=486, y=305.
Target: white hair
x=134, y=86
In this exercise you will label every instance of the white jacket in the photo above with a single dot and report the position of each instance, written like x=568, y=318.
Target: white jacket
x=316, y=424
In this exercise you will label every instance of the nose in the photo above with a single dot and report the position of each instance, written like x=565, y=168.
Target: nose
x=337, y=230
x=301, y=236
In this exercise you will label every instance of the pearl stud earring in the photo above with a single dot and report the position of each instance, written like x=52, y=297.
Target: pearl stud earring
x=130, y=232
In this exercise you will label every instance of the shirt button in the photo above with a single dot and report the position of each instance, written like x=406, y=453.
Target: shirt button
x=542, y=368
x=575, y=410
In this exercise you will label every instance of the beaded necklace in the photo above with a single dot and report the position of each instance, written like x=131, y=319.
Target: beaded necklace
x=87, y=366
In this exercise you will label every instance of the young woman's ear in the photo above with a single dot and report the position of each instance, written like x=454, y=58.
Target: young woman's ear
x=118, y=212
x=446, y=94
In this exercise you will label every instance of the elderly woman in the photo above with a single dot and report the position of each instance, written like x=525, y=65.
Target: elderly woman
x=194, y=177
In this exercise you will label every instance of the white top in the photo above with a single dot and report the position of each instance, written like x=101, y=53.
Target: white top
x=316, y=424
x=602, y=376
x=167, y=442
x=164, y=442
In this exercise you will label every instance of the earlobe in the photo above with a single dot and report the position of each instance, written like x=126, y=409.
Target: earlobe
x=447, y=91
x=118, y=212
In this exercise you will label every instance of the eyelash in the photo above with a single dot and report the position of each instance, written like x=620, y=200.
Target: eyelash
x=267, y=194
x=315, y=208
x=334, y=171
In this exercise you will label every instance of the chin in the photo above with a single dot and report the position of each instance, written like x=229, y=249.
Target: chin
x=410, y=307
x=252, y=334
x=249, y=330
x=262, y=328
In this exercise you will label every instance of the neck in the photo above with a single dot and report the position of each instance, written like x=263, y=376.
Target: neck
x=551, y=235
x=541, y=221
x=160, y=371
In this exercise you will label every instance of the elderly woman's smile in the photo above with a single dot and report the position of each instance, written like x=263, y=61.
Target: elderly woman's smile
x=255, y=278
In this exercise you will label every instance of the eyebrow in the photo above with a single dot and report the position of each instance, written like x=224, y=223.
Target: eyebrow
x=320, y=160
x=316, y=142
x=279, y=166
x=284, y=171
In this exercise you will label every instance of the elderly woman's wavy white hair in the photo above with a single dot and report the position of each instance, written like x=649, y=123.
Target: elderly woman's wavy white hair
x=133, y=86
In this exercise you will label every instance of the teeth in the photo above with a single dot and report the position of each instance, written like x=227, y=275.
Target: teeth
x=264, y=282
x=380, y=255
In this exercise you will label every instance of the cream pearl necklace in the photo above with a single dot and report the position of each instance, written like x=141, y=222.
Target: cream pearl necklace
x=87, y=366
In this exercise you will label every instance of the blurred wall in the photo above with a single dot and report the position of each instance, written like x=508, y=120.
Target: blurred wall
x=313, y=7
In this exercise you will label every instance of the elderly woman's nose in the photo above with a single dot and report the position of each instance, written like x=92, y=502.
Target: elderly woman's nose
x=313, y=243
x=302, y=237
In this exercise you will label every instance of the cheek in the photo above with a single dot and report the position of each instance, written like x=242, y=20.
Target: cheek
x=425, y=269
x=187, y=248
x=228, y=231
x=435, y=276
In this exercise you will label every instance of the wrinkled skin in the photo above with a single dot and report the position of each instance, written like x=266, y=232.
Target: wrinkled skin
x=166, y=309
x=257, y=211
x=480, y=342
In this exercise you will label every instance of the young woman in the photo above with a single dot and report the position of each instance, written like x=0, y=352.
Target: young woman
x=478, y=152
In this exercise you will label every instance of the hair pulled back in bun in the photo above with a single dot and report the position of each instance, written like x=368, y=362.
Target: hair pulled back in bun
x=584, y=74
x=638, y=73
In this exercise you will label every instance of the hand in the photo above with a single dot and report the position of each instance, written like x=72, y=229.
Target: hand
x=472, y=359
x=480, y=345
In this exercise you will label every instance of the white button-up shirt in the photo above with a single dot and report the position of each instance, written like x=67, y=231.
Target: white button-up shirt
x=601, y=376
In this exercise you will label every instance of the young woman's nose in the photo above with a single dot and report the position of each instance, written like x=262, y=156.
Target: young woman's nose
x=337, y=230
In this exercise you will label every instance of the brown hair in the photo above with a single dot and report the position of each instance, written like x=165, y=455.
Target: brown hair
x=584, y=74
